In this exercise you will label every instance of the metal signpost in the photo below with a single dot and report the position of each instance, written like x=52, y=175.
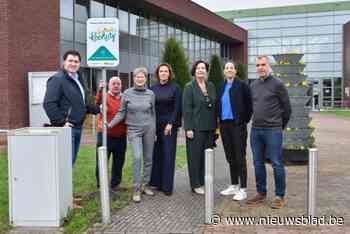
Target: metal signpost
x=103, y=52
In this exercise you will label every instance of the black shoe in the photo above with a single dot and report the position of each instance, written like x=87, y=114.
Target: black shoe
x=168, y=193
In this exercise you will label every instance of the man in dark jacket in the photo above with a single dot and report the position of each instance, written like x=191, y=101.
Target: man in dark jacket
x=234, y=109
x=271, y=113
x=65, y=101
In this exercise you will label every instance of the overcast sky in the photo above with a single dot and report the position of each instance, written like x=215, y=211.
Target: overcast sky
x=223, y=5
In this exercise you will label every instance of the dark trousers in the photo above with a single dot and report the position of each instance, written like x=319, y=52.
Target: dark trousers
x=116, y=146
x=234, y=140
x=268, y=142
x=195, y=156
x=164, y=155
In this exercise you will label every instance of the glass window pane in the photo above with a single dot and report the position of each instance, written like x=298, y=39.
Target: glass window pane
x=338, y=38
x=320, y=67
x=123, y=21
x=320, y=57
x=163, y=35
x=338, y=28
x=252, y=42
x=320, y=39
x=123, y=41
x=65, y=45
x=341, y=19
x=81, y=10
x=111, y=8
x=269, y=33
x=326, y=29
x=269, y=42
x=185, y=39
x=133, y=24
x=297, y=31
x=252, y=33
x=292, y=22
x=66, y=29
x=268, y=24
x=324, y=20
x=269, y=50
x=80, y=32
x=293, y=40
x=82, y=50
x=338, y=67
x=66, y=8
x=322, y=48
x=252, y=51
x=96, y=9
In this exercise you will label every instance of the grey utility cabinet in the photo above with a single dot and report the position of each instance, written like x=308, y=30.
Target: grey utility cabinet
x=40, y=176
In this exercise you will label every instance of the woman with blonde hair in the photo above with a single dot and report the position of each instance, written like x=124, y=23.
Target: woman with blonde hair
x=138, y=104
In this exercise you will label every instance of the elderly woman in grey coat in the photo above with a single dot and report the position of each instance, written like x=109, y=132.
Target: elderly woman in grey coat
x=138, y=106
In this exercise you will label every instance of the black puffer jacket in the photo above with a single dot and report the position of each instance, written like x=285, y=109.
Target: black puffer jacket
x=64, y=102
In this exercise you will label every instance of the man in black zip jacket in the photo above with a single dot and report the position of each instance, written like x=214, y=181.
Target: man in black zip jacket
x=271, y=113
x=234, y=109
x=65, y=100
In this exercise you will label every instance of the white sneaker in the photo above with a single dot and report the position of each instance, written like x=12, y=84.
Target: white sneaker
x=199, y=190
x=231, y=190
x=241, y=195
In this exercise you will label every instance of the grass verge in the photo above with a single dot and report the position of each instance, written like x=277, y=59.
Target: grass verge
x=343, y=114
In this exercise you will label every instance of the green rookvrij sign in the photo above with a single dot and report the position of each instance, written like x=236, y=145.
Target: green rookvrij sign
x=102, y=42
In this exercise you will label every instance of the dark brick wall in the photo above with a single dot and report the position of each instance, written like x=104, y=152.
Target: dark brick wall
x=346, y=61
x=4, y=114
x=31, y=44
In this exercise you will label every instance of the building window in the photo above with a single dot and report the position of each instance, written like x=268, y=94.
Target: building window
x=81, y=10
x=96, y=9
x=66, y=9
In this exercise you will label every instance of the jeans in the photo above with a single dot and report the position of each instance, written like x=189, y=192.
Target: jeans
x=267, y=142
x=76, y=136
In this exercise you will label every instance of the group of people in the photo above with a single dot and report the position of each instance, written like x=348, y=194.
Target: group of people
x=149, y=119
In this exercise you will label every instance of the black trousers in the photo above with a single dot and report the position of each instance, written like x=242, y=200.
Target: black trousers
x=195, y=149
x=164, y=155
x=117, y=147
x=234, y=139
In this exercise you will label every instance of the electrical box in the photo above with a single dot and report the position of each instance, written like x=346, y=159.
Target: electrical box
x=40, y=176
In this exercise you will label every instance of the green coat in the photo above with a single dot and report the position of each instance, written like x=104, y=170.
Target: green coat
x=197, y=115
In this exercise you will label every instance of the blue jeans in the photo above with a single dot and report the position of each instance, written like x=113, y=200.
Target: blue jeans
x=76, y=136
x=267, y=143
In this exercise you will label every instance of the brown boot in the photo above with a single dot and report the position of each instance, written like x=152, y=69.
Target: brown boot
x=278, y=202
x=258, y=199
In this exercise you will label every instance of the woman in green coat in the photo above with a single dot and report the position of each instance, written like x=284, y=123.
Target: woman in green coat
x=199, y=100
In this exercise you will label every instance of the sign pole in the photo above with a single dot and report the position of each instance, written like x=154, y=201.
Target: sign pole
x=104, y=109
x=102, y=52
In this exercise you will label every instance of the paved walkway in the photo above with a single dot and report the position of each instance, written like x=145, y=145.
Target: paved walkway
x=184, y=212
